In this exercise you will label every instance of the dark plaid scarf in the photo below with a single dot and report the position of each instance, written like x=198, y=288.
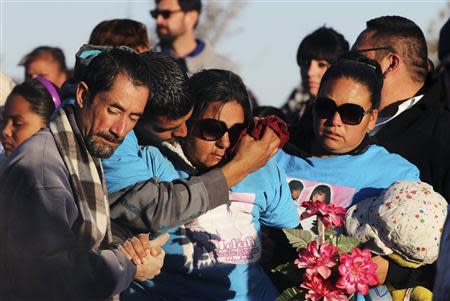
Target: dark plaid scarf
x=86, y=179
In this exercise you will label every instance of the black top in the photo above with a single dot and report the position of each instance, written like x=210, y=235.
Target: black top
x=421, y=135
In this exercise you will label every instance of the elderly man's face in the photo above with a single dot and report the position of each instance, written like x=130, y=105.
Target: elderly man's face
x=106, y=119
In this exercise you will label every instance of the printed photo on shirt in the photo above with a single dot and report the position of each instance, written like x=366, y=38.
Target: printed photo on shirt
x=305, y=190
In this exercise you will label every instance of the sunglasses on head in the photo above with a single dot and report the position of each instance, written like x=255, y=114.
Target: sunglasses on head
x=350, y=113
x=165, y=13
x=213, y=129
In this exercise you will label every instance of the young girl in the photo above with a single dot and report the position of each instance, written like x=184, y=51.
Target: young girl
x=28, y=108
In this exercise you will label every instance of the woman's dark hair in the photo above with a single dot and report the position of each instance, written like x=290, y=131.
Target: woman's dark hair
x=360, y=69
x=325, y=189
x=40, y=100
x=324, y=43
x=212, y=85
x=264, y=111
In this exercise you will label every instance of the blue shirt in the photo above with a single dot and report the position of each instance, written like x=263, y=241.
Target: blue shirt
x=351, y=178
x=346, y=179
x=215, y=257
x=131, y=163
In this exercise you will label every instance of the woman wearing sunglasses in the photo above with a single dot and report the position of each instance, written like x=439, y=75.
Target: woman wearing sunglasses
x=341, y=154
x=215, y=257
x=340, y=151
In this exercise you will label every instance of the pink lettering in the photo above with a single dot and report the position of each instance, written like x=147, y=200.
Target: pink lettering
x=244, y=197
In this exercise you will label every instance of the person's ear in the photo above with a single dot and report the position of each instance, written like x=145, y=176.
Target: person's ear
x=82, y=94
x=393, y=62
x=191, y=18
x=372, y=120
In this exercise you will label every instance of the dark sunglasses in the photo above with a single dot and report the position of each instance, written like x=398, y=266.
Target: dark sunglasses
x=350, y=113
x=383, y=48
x=213, y=129
x=165, y=13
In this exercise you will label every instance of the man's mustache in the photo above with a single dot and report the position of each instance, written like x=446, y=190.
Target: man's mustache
x=110, y=137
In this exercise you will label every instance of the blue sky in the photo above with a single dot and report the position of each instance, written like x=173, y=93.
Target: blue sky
x=263, y=40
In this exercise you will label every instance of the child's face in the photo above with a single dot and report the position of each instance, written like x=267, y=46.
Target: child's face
x=295, y=193
x=318, y=196
x=19, y=123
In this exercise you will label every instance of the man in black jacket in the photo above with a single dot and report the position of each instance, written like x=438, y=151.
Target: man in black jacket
x=414, y=119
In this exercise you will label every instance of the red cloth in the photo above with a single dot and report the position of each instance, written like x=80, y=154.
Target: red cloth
x=256, y=130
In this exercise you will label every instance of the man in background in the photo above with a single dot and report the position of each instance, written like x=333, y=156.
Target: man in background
x=176, y=21
x=48, y=62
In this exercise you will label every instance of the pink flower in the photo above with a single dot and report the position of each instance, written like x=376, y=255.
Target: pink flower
x=335, y=295
x=328, y=213
x=317, y=259
x=333, y=217
x=319, y=288
x=357, y=271
x=313, y=208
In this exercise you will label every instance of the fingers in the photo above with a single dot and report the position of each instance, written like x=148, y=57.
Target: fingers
x=128, y=249
x=144, y=238
x=160, y=240
x=139, y=247
x=246, y=138
x=125, y=252
x=274, y=146
x=151, y=247
x=272, y=140
x=156, y=244
x=150, y=267
x=269, y=135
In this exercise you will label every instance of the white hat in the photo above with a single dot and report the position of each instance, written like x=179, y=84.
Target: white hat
x=407, y=218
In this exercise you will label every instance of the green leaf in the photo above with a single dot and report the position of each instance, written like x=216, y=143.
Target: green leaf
x=330, y=232
x=346, y=243
x=292, y=294
x=299, y=239
x=290, y=271
x=282, y=268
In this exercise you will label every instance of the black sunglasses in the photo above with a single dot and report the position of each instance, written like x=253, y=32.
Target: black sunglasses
x=213, y=129
x=350, y=113
x=165, y=13
x=383, y=48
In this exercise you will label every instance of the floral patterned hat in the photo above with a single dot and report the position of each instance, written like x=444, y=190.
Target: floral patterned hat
x=407, y=218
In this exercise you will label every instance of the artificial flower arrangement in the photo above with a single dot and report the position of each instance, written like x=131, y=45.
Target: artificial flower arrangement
x=329, y=265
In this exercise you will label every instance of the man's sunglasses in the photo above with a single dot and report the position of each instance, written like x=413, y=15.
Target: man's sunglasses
x=213, y=129
x=165, y=13
x=383, y=48
x=350, y=113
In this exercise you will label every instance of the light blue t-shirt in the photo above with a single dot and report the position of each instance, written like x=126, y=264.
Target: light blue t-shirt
x=131, y=163
x=350, y=178
x=347, y=179
x=215, y=257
